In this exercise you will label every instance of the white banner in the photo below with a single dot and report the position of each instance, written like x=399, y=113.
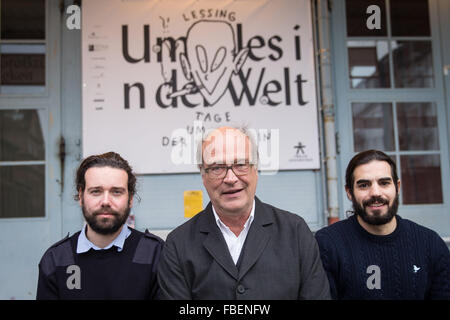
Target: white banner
x=156, y=74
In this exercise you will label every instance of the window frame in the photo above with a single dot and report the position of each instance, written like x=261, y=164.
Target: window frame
x=45, y=92
x=345, y=96
x=49, y=103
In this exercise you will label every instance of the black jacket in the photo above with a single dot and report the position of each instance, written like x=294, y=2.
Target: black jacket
x=280, y=260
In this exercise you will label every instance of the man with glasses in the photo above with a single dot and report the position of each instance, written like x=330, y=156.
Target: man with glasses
x=239, y=247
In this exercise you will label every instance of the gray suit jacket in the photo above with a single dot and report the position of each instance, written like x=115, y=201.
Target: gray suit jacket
x=280, y=260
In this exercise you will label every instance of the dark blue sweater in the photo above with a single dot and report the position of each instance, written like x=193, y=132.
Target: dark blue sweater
x=413, y=262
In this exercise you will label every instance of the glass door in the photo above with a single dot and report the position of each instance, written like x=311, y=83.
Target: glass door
x=30, y=205
x=444, y=19
x=390, y=94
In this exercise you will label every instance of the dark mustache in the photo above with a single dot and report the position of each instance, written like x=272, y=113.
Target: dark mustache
x=375, y=199
x=105, y=210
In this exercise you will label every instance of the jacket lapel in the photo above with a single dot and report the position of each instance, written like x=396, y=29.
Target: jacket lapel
x=257, y=238
x=215, y=244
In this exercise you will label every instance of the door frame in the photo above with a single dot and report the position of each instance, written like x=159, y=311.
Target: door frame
x=26, y=239
x=437, y=216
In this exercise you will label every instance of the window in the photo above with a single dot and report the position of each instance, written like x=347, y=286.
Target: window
x=399, y=54
x=412, y=139
x=22, y=46
x=395, y=57
x=22, y=138
x=397, y=101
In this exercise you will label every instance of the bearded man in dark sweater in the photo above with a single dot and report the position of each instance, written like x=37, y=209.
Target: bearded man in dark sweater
x=106, y=259
x=376, y=254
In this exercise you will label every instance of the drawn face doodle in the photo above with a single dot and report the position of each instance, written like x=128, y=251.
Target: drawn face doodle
x=211, y=64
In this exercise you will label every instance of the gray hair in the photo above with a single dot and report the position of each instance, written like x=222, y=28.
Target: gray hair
x=249, y=133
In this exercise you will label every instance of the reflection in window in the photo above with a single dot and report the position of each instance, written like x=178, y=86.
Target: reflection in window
x=21, y=136
x=410, y=18
x=368, y=64
x=22, y=64
x=22, y=19
x=421, y=179
x=417, y=126
x=22, y=46
x=372, y=126
x=413, y=65
x=22, y=191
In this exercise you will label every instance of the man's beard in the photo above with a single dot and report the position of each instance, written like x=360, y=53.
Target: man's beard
x=105, y=226
x=376, y=219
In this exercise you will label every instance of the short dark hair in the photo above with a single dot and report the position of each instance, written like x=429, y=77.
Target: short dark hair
x=366, y=157
x=109, y=159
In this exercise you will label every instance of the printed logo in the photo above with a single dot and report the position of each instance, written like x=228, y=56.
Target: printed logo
x=300, y=147
x=300, y=153
x=209, y=66
x=415, y=268
x=374, y=281
x=74, y=280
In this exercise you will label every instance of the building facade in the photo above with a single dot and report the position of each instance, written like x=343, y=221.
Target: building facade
x=382, y=79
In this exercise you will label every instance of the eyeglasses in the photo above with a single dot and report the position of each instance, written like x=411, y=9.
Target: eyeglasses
x=219, y=172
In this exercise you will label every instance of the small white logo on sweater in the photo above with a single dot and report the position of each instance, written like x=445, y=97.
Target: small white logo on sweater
x=415, y=268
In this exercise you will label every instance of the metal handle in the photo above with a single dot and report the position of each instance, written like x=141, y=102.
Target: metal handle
x=62, y=157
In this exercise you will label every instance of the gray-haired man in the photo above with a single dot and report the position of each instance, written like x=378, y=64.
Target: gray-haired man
x=239, y=247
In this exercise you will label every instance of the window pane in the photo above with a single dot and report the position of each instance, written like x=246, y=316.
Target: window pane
x=22, y=191
x=417, y=126
x=410, y=18
x=22, y=19
x=22, y=64
x=356, y=14
x=21, y=136
x=368, y=64
x=421, y=179
x=413, y=65
x=373, y=126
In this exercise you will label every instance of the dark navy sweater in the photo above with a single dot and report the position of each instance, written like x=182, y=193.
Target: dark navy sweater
x=413, y=262
x=102, y=274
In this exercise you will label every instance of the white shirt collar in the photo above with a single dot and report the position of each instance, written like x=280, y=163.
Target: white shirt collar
x=84, y=244
x=247, y=223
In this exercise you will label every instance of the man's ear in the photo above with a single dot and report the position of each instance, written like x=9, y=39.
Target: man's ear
x=80, y=194
x=204, y=177
x=398, y=185
x=130, y=202
x=349, y=194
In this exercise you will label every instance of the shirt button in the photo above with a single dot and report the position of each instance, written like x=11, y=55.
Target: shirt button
x=240, y=289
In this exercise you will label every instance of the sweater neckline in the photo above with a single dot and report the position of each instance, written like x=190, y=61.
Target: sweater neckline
x=379, y=238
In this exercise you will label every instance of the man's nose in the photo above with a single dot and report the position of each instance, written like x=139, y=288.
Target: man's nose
x=106, y=199
x=230, y=177
x=375, y=190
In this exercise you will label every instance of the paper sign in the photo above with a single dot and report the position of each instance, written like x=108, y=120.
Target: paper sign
x=161, y=73
x=193, y=202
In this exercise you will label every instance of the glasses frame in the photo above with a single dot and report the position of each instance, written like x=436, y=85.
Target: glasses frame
x=221, y=176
